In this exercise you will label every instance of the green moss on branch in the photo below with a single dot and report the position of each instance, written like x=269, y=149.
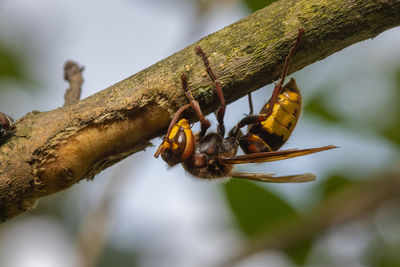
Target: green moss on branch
x=245, y=56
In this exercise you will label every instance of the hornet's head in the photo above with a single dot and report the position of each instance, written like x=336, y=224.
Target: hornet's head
x=178, y=146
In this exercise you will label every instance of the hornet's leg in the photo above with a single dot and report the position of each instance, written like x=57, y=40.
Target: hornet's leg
x=205, y=124
x=278, y=86
x=250, y=119
x=218, y=87
x=250, y=104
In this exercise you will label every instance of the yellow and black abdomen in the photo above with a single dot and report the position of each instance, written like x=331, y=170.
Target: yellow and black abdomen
x=271, y=134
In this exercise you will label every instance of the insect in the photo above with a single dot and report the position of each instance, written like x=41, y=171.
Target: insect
x=6, y=124
x=212, y=155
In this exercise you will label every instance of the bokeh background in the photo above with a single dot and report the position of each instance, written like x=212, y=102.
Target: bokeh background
x=140, y=213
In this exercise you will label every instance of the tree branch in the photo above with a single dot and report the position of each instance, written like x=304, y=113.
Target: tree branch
x=79, y=140
x=73, y=75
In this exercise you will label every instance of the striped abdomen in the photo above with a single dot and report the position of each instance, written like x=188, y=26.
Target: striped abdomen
x=271, y=134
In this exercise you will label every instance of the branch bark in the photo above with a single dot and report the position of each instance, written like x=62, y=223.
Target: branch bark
x=73, y=75
x=79, y=140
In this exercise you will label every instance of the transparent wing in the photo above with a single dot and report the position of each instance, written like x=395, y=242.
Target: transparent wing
x=272, y=156
x=270, y=178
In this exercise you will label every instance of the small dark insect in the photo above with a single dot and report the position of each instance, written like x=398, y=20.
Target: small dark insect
x=6, y=124
x=213, y=155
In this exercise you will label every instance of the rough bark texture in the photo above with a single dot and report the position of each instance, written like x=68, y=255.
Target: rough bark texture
x=77, y=141
x=73, y=75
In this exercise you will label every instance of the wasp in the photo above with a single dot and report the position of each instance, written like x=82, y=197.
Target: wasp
x=212, y=155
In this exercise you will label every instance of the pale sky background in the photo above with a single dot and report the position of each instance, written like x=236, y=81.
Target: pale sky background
x=162, y=212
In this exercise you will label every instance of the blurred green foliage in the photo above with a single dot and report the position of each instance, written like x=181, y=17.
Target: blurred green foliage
x=392, y=132
x=380, y=253
x=254, y=5
x=332, y=184
x=117, y=257
x=255, y=208
x=11, y=65
x=259, y=211
x=315, y=106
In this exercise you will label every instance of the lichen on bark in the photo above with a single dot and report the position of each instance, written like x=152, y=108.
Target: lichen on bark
x=65, y=145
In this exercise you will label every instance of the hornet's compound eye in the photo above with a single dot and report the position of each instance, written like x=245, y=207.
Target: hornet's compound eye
x=174, y=150
x=180, y=144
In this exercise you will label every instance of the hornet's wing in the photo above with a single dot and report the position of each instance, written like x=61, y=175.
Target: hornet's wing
x=270, y=178
x=272, y=156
